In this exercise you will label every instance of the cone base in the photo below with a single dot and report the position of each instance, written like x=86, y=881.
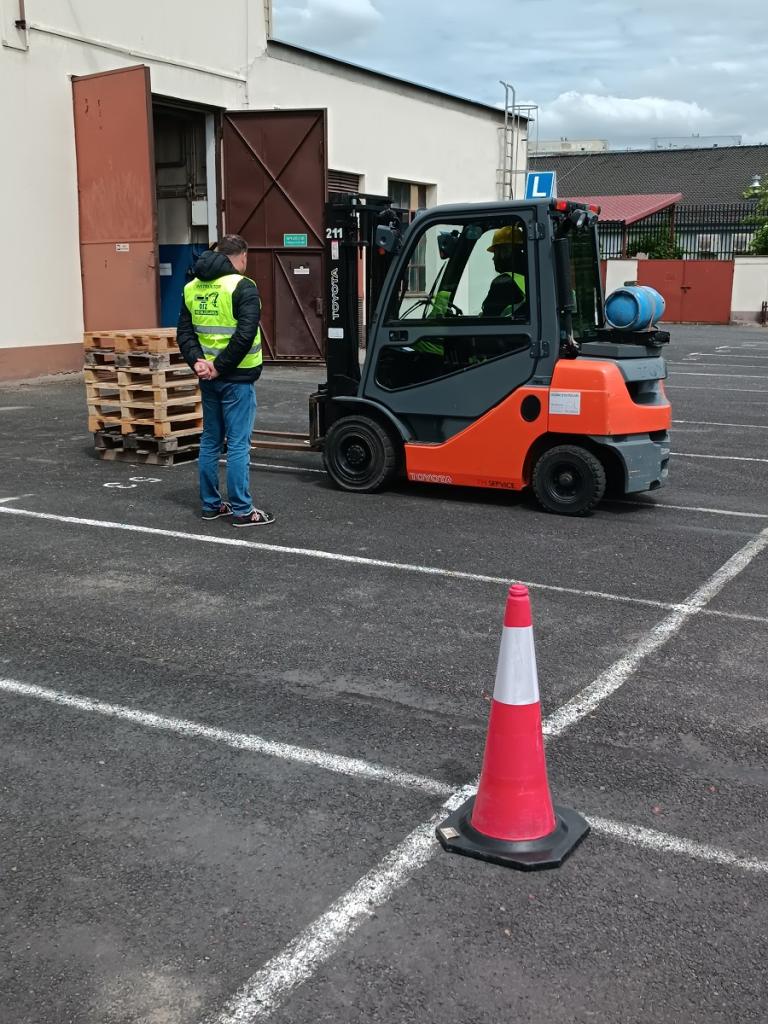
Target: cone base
x=456, y=835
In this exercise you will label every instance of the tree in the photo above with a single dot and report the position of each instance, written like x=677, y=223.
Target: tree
x=657, y=246
x=759, y=219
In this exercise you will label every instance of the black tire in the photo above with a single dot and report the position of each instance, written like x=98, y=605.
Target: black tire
x=568, y=480
x=360, y=455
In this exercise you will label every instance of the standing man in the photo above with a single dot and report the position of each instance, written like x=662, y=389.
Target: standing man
x=219, y=336
x=507, y=294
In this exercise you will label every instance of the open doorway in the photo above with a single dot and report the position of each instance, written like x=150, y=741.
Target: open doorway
x=184, y=144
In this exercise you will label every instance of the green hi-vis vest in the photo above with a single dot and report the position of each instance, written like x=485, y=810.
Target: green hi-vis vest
x=210, y=306
x=519, y=280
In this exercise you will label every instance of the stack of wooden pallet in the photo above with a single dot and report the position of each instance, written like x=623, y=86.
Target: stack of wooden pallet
x=143, y=399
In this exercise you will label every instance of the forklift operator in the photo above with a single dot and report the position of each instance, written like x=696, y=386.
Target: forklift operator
x=507, y=294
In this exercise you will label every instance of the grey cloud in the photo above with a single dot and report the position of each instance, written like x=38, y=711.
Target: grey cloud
x=671, y=68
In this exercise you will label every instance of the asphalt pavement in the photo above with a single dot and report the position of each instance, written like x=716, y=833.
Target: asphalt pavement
x=223, y=752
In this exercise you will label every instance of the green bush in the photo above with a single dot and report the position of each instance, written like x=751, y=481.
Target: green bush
x=658, y=247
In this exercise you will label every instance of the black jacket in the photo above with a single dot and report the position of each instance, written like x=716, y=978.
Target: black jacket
x=246, y=307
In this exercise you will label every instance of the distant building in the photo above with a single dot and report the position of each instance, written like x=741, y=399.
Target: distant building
x=711, y=217
x=544, y=146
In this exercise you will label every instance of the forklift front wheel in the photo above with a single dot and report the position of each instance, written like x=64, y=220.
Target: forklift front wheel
x=568, y=480
x=359, y=454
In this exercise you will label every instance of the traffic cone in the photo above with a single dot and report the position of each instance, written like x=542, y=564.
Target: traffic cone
x=512, y=820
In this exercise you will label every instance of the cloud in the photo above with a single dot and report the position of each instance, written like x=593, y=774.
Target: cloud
x=321, y=24
x=589, y=115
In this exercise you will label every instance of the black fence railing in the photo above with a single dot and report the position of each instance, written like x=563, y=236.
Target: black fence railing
x=685, y=232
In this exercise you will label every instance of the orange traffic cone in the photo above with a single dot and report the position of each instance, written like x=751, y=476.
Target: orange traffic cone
x=512, y=820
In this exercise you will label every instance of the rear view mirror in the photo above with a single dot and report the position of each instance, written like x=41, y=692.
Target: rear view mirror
x=385, y=239
x=446, y=243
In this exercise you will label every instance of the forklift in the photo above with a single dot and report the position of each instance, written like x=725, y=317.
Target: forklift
x=488, y=359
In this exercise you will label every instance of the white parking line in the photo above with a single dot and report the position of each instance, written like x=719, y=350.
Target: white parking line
x=708, y=387
x=735, y=366
x=266, y=990
x=269, y=987
x=662, y=842
x=726, y=458
x=353, y=767
x=333, y=556
x=689, y=508
x=14, y=408
x=18, y=497
x=721, y=376
x=616, y=675
x=294, y=469
x=709, y=423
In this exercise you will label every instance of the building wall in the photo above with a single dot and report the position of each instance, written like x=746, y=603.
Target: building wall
x=750, y=287
x=378, y=129
x=38, y=174
x=382, y=131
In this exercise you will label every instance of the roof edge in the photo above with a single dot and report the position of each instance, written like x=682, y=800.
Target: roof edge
x=301, y=51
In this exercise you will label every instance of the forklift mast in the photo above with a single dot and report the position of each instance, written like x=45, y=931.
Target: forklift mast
x=352, y=223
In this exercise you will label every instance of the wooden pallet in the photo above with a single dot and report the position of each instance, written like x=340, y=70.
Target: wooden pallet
x=99, y=341
x=146, y=341
x=161, y=445
x=174, y=424
x=130, y=375
x=150, y=362
x=103, y=439
x=100, y=359
x=173, y=458
x=100, y=420
x=102, y=392
x=96, y=373
x=172, y=393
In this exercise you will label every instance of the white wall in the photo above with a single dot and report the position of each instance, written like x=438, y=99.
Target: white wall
x=381, y=131
x=750, y=286
x=180, y=41
x=618, y=272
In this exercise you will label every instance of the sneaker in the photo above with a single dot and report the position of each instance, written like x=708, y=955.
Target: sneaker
x=258, y=517
x=224, y=509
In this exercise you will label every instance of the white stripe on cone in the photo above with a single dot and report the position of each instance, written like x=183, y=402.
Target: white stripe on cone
x=516, y=678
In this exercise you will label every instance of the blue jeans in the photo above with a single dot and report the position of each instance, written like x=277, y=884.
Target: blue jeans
x=229, y=411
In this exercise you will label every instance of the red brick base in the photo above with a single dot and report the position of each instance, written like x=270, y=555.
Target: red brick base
x=39, y=360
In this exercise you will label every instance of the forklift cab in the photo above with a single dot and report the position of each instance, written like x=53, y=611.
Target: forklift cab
x=472, y=375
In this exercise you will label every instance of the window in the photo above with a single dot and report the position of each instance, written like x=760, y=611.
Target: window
x=585, y=278
x=409, y=198
x=477, y=269
x=473, y=306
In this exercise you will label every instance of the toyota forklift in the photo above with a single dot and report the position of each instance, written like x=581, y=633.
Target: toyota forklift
x=488, y=359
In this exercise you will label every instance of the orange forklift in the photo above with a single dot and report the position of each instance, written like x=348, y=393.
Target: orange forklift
x=489, y=362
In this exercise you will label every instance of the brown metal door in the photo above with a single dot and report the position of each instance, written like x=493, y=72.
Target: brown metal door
x=707, y=290
x=666, y=276
x=274, y=176
x=116, y=191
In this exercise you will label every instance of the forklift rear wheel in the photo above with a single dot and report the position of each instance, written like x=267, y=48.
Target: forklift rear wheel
x=568, y=480
x=359, y=454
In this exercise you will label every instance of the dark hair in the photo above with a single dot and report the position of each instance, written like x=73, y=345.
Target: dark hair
x=231, y=245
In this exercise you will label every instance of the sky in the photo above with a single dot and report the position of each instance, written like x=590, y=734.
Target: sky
x=598, y=69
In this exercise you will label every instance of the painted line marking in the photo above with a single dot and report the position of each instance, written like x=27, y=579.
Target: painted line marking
x=14, y=408
x=357, y=768
x=352, y=767
x=614, y=677
x=730, y=376
x=710, y=423
x=688, y=508
x=292, y=469
x=662, y=842
x=704, y=387
x=735, y=366
x=332, y=556
x=17, y=498
x=727, y=458
x=269, y=987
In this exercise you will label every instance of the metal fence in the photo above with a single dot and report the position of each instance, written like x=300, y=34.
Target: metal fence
x=683, y=232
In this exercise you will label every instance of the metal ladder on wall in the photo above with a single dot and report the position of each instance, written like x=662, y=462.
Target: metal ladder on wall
x=515, y=136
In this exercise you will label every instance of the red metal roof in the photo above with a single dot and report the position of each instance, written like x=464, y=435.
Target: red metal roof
x=630, y=209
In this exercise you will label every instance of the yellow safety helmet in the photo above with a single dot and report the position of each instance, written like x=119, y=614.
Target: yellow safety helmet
x=510, y=234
